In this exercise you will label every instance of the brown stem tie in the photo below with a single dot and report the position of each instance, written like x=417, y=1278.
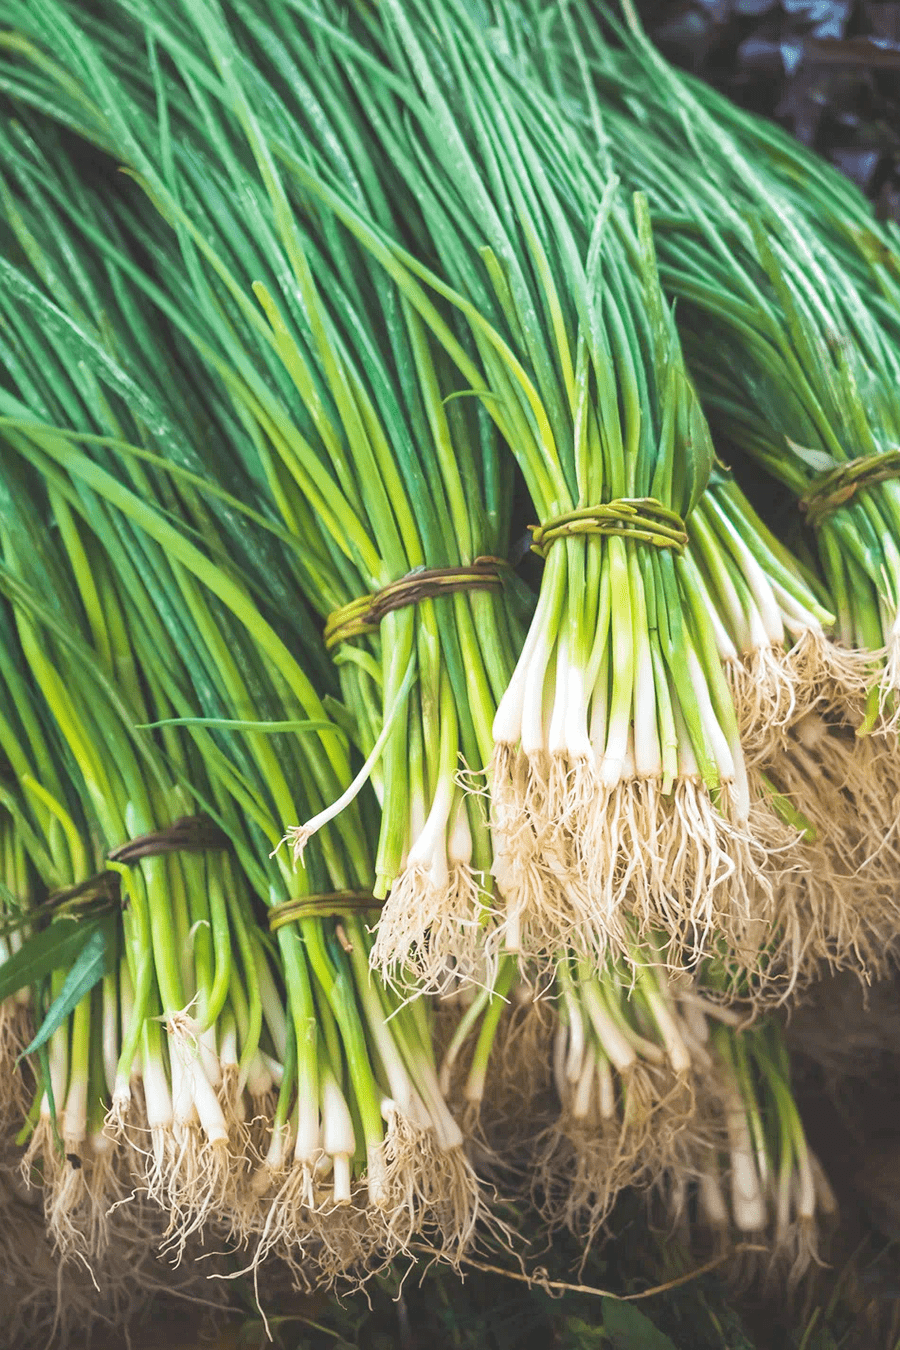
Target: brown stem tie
x=102, y=888
x=189, y=834
x=836, y=487
x=329, y=905
x=364, y=614
x=642, y=518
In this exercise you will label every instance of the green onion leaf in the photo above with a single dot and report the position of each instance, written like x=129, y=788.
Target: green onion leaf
x=93, y=962
x=55, y=948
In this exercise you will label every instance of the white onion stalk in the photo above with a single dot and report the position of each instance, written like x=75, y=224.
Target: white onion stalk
x=68, y=1192
x=160, y=1119
x=338, y=1139
x=748, y=1205
x=429, y=928
x=110, y=1032
x=203, y=1174
x=713, y=1205
x=783, y=659
x=603, y=807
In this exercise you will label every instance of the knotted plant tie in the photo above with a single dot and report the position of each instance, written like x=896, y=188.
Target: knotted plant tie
x=364, y=614
x=836, y=487
x=329, y=905
x=642, y=518
x=189, y=834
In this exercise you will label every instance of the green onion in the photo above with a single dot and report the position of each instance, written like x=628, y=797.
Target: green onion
x=139, y=600
x=372, y=462
x=785, y=291
x=259, y=396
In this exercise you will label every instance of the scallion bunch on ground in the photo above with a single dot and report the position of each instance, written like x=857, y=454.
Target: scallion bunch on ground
x=261, y=1087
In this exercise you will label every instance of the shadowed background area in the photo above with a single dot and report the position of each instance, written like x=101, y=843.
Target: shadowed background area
x=827, y=70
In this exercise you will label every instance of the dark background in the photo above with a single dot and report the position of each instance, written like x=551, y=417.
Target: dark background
x=827, y=70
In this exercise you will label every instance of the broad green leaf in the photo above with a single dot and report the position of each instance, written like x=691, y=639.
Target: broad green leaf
x=630, y=1329
x=55, y=948
x=89, y=968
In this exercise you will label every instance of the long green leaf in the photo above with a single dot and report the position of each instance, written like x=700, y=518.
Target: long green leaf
x=92, y=964
x=232, y=724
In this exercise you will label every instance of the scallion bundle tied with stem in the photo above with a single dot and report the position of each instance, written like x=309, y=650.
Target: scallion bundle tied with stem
x=634, y=1077
x=618, y=781
x=796, y=370
x=218, y=1043
x=786, y=294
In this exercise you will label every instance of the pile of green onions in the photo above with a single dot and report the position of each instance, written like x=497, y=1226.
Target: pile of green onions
x=267, y=401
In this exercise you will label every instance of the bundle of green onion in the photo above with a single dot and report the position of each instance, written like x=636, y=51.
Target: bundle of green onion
x=781, y=270
x=393, y=484
x=217, y=1044
x=635, y=1080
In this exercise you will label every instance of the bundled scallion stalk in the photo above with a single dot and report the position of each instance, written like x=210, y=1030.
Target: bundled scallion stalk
x=629, y=1069
x=183, y=915
x=849, y=910
x=786, y=309
x=234, y=1045
x=604, y=1061
x=392, y=482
